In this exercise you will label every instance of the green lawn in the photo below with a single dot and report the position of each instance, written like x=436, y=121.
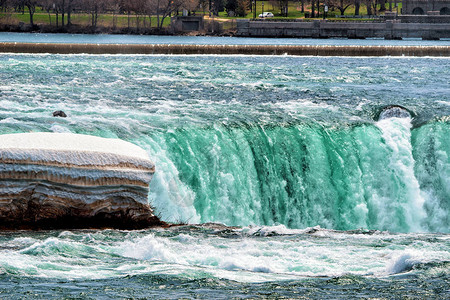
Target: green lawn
x=122, y=21
x=82, y=19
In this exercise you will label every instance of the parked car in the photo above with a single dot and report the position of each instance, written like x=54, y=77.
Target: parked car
x=266, y=15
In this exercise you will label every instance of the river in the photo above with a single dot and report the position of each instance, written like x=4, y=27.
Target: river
x=288, y=182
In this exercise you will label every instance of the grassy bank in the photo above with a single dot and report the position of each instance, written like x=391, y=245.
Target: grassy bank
x=80, y=21
x=143, y=24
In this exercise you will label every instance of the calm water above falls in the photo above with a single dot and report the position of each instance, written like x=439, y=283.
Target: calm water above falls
x=277, y=145
x=200, y=40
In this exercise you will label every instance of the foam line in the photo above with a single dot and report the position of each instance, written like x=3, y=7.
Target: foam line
x=300, y=50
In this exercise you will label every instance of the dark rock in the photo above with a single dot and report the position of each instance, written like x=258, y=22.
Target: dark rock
x=59, y=113
x=394, y=111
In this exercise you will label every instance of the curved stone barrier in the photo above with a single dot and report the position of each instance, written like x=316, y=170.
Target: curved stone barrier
x=301, y=50
x=64, y=180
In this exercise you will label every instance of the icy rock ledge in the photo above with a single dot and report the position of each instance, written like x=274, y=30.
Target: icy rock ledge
x=65, y=180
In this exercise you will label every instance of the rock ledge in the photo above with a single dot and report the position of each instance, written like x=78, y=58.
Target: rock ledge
x=64, y=180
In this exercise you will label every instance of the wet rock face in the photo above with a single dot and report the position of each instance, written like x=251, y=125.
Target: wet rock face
x=394, y=111
x=60, y=180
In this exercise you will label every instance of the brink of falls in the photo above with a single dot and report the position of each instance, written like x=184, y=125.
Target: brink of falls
x=65, y=180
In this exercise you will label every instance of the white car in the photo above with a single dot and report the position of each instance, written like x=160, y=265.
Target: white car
x=266, y=15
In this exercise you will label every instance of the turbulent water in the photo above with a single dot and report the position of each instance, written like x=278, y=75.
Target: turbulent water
x=326, y=199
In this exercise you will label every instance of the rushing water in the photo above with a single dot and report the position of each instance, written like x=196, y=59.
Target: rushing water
x=326, y=199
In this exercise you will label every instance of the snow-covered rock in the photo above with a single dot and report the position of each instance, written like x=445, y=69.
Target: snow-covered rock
x=65, y=180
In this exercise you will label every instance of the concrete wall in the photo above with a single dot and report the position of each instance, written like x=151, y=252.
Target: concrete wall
x=424, y=19
x=185, y=24
x=391, y=29
x=425, y=6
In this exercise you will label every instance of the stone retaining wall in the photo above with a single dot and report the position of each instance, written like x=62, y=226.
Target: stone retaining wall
x=391, y=29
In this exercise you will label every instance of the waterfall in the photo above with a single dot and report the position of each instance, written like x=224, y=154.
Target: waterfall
x=299, y=175
x=407, y=208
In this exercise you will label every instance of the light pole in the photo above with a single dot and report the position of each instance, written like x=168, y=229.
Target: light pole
x=254, y=9
x=262, y=5
x=325, y=10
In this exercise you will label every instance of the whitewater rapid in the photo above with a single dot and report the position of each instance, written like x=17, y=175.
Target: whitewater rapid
x=248, y=254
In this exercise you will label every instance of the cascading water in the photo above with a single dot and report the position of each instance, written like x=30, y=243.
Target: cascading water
x=299, y=175
x=407, y=209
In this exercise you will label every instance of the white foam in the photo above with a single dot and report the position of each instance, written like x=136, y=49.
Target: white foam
x=397, y=137
x=173, y=200
x=245, y=259
x=400, y=263
x=60, y=129
x=149, y=248
x=275, y=230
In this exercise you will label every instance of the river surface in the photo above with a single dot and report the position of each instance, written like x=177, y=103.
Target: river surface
x=203, y=40
x=300, y=189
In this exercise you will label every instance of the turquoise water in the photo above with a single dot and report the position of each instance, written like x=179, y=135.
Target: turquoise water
x=201, y=40
x=317, y=197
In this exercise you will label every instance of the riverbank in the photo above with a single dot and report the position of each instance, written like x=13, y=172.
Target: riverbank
x=79, y=29
x=212, y=27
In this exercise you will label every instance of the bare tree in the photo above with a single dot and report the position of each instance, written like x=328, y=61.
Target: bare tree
x=374, y=6
x=150, y=9
x=342, y=5
x=60, y=8
x=47, y=5
x=114, y=6
x=369, y=7
x=137, y=6
x=275, y=4
x=17, y=5
x=357, y=4
x=165, y=8
x=190, y=5
x=94, y=8
x=56, y=11
x=204, y=4
x=241, y=9
x=70, y=7
x=128, y=8
x=382, y=5
x=3, y=5
x=31, y=5
x=284, y=7
x=318, y=8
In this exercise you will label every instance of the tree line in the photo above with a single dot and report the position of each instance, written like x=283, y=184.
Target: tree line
x=373, y=7
x=64, y=9
x=161, y=9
